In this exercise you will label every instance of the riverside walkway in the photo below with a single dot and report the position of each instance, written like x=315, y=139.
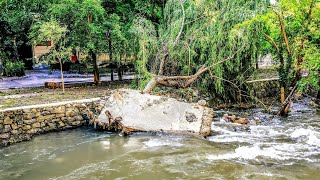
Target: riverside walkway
x=37, y=78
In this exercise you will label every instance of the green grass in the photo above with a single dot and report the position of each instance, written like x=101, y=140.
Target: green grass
x=33, y=96
x=22, y=91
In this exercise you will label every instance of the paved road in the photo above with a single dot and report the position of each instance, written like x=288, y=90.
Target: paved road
x=37, y=78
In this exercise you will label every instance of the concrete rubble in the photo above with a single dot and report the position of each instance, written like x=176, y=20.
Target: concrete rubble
x=129, y=110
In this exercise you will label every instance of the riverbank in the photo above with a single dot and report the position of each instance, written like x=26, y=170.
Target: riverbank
x=278, y=148
x=141, y=113
x=22, y=123
x=12, y=126
x=268, y=146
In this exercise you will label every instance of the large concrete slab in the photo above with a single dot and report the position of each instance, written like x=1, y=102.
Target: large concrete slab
x=144, y=112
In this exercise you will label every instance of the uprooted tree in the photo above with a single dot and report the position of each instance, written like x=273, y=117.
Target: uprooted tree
x=195, y=42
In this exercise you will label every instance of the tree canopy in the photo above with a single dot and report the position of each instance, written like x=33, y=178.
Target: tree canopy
x=212, y=45
x=193, y=34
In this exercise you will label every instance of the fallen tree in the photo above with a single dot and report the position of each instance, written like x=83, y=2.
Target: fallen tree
x=180, y=81
x=174, y=81
x=190, y=44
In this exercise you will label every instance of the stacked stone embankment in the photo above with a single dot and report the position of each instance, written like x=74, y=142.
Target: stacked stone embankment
x=21, y=123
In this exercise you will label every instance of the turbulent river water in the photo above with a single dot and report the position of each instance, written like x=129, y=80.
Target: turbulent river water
x=287, y=148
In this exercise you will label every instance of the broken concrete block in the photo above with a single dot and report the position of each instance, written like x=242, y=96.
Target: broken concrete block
x=143, y=112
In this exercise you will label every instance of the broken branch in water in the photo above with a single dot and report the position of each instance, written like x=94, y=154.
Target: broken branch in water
x=114, y=124
x=285, y=107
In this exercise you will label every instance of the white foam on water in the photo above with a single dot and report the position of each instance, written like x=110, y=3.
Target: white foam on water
x=85, y=170
x=256, y=134
x=267, y=131
x=41, y=153
x=53, y=156
x=9, y=154
x=248, y=153
x=161, y=142
x=268, y=174
x=297, y=151
x=227, y=139
x=23, y=152
x=300, y=132
x=263, y=175
x=278, y=142
x=313, y=140
x=308, y=136
x=275, y=151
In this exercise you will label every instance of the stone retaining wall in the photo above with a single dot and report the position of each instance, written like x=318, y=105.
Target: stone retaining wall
x=21, y=123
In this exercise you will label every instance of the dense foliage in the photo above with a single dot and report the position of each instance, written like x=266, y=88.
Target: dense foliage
x=197, y=33
x=291, y=28
x=175, y=37
x=16, y=18
x=14, y=68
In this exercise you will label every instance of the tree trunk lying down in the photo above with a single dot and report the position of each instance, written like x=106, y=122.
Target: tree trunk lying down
x=180, y=81
x=174, y=81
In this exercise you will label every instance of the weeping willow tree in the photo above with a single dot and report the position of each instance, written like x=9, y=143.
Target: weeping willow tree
x=196, y=44
x=291, y=27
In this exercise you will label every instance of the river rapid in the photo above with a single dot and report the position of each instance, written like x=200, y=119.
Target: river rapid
x=275, y=148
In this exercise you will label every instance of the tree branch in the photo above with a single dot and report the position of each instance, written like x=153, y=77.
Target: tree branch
x=166, y=55
x=285, y=105
x=181, y=81
x=182, y=24
x=163, y=60
x=283, y=32
x=271, y=41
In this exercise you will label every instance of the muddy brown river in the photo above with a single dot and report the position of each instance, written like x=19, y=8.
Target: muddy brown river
x=287, y=148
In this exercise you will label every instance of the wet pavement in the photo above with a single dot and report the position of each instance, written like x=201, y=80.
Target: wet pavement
x=37, y=78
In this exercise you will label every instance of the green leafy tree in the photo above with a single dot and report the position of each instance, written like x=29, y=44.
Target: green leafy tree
x=118, y=41
x=52, y=31
x=16, y=18
x=85, y=22
x=195, y=42
x=120, y=16
x=292, y=29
